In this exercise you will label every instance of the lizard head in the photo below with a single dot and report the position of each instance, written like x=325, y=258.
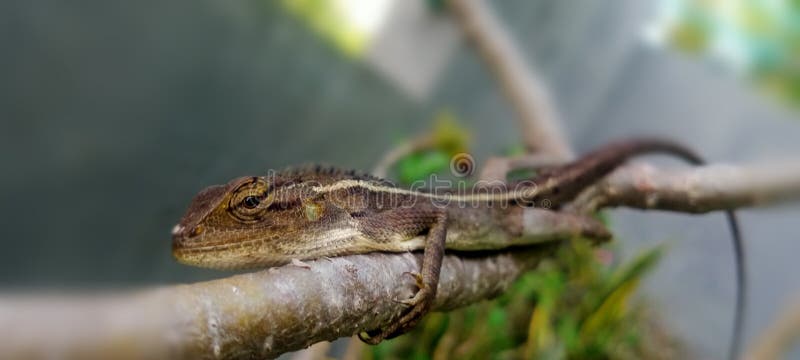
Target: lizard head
x=252, y=222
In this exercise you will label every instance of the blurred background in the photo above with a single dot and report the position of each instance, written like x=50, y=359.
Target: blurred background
x=114, y=114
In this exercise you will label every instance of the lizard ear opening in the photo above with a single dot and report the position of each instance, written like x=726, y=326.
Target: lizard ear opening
x=313, y=210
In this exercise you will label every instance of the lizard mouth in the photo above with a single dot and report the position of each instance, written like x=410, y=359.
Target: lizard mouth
x=200, y=255
x=221, y=256
x=193, y=250
x=184, y=246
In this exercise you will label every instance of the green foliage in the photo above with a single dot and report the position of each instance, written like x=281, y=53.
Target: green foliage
x=447, y=138
x=572, y=307
x=328, y=21
x=760, y=39
x=448, y=135
x=417, y=166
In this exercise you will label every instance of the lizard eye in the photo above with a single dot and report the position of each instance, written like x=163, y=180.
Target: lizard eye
x=247, y=202
x=251, y=202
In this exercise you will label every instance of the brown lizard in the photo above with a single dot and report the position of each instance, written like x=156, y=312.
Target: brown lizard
x=316, y=212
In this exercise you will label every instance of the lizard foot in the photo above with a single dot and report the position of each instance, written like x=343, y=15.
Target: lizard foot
x=419, y=305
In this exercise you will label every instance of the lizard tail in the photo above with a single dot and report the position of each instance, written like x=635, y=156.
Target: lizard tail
x=666, y=146
x=585, y=171
x=741, y=289
x=738, y=250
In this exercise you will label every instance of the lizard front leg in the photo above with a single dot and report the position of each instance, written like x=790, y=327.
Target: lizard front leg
x=427, y=282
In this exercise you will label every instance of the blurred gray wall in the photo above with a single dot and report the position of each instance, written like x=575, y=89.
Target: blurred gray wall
x=113, y=114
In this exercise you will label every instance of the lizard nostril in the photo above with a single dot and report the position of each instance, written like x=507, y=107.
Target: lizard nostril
x=180, y=231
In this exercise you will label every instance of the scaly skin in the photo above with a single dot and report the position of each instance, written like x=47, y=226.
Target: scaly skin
x=318, y=212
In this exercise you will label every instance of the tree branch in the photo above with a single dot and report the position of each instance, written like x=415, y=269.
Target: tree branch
x=256, y=315
x=694, y=190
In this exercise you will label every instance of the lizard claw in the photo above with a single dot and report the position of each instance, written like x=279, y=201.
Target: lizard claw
x=418, y=296
x=417, y=278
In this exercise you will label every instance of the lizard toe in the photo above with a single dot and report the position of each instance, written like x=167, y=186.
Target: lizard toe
x=417, y=278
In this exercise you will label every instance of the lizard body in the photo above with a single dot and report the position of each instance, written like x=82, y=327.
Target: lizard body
x=318, y=212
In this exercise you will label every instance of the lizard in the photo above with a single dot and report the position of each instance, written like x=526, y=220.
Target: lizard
x=315, y=212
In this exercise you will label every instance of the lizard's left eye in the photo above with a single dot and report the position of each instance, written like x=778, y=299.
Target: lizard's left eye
x=251, y=202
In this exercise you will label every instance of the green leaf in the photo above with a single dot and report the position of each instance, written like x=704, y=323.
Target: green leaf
x=418, y=166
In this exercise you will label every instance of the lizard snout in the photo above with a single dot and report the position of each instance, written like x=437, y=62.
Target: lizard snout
x=182, y=233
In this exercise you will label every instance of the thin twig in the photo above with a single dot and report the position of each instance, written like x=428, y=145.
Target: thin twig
x=497, y=168
x=537, y=117
x=420, y=142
